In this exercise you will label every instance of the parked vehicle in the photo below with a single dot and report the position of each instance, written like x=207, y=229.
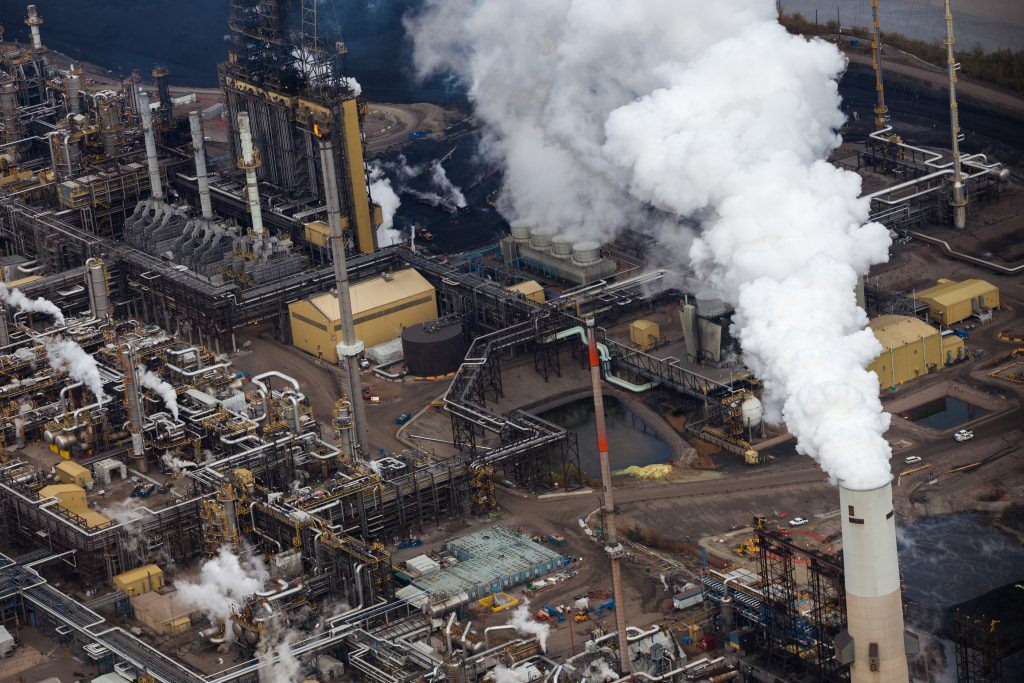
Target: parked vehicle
x=556, y=539
x=797, y=521
x=964, y=435
x=403, y=418
x=912, y=459
x=143, y=491
x=411, y=543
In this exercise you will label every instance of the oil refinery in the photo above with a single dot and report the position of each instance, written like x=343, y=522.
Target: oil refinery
x=244, y=437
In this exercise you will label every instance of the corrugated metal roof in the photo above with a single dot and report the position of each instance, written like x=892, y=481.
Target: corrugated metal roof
x=376, y=293
x=527, y=288
x=950, y=292
x=894, y=331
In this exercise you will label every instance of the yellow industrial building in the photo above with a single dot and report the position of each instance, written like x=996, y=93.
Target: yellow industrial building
x=162, y=612
x=381, y=307
x=950, y=302
x=530, y=289
x=141, y=580
x=72, y=501
x=644, y=334
x=911, y=348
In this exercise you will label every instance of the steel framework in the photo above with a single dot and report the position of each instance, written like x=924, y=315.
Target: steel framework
x=978, y=657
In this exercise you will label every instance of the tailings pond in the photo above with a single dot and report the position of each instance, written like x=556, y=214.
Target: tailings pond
x=943, y=413
x=961, y=561
x=630, y=440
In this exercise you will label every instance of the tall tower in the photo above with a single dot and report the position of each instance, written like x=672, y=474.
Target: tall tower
x=874, y=603
x=959, y=199
x=289, y=76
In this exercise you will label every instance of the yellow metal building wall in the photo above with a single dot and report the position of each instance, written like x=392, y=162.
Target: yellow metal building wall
x=901, y=364
x=142, y=580
x=372, y=328
x=366, y=237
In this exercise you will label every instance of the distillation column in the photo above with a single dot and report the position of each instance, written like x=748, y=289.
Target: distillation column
x=349, y=347
x=133, y=405
x=249, y=162
x=9, y=112
x=151, y=158
x=881, y=110
x=96, y=284
x=874, y=604
x=959, y=198
x=195, y=121
x=612, y=545
x=74, y=87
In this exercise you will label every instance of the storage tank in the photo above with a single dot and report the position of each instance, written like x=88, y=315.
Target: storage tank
x=586, y=253
x=540, y=241
x=561, y=247
x=434, y=348
x=520, y=232
x=751, y=412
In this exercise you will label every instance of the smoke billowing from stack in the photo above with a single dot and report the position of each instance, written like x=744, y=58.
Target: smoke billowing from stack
x=14, y=297
x=645, y=115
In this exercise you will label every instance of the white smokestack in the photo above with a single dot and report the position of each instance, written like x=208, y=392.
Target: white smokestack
x=33, y=21
x=151, y=159
x=874, y=605
x=195, y=121
x=250, y=162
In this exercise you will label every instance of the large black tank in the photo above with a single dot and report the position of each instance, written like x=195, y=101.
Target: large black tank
x=434, y=348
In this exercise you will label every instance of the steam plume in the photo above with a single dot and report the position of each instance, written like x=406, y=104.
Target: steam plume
x=165, y=391
x=673, y=112
x=384, y=196
x=523, y=622
x=14, y=297
x=450, y=190
x=223, y=581
x=66, y=355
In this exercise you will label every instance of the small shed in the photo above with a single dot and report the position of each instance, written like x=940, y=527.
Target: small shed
x=163, y=613
x=72, y=473
x=141, y=580
x=950, y=301
x=644, y=334
x=530, y=289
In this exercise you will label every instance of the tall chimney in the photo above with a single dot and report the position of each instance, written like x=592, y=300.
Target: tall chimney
x=33, y=21
x=74, y=85
x=133, y=404
x=349, y=347
x=5, y=335
x=249, y=162
x=881, y=110
x=195, y=121
x=151, y=159
x=96, y=285
x=874, y=605
x=612, y=545
x=959, y=199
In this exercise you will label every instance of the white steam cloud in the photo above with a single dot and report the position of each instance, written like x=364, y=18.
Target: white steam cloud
x=165, y=391
x=446, y=195
x=224, y=581
x=387, y=199
x=14, y=297
x=451, y=192
x=176, y=464
x=285, y=667
x=65, y=355
x=600, y=672
x=667, y=113
x=503, y=674
x=524, y=623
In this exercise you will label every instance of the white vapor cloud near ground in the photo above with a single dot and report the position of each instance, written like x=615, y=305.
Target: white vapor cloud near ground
x=663, y=114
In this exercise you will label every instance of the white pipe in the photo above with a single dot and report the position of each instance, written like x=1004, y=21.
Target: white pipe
x=249, y=162
x=448, y=631
x=151, y=158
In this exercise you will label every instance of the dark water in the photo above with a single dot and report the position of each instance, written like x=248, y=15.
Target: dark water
x=630, y=441
x=951, y=560
x=188, y=37
x=943, y=413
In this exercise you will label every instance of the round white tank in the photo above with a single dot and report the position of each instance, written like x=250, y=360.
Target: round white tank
x=520, y=232
x=561, y=247
x=751, y=412
x=586, y=253
x=540, y=240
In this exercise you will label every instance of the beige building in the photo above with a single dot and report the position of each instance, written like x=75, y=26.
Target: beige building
x=163, y=613
x=910, y=348
x=382, y=308
x=530, y=289
x=141, y=580
x=950, y=302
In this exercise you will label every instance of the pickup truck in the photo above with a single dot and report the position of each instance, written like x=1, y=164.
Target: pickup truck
x=964, y=435
x=403, y=418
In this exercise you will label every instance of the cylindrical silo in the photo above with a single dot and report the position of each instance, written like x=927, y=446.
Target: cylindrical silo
x=541, y=241
x=561, y=247
x=586, y=253
x=433, y=348
x=520, y=232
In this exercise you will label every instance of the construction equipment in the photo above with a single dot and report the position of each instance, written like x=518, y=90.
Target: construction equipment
x=748, y=547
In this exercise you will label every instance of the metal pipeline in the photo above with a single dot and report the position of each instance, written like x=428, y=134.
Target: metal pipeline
x=487, y=631
x=448, y=631
x=194, y=373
